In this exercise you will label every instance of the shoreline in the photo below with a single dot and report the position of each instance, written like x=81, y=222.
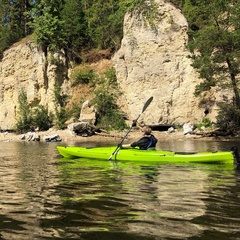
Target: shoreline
x=112, y=137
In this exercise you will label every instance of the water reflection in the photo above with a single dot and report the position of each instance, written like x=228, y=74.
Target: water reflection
x=46, y=197
x=137, y=201
x=26, y=173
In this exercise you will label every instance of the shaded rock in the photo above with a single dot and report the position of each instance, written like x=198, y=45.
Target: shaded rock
x=52, y=138
x=30, y=136
x=83, y=129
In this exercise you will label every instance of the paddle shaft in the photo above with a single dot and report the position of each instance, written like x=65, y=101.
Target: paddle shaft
x=144, y=108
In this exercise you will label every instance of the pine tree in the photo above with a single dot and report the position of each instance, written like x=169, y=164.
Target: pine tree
x=104, y=21
x=74, y=27
x=47, y=23
x=215, y=43
x=14, y=21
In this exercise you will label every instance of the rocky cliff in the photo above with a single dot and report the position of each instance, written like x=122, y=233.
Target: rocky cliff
x=152, y=61
x=25, y=67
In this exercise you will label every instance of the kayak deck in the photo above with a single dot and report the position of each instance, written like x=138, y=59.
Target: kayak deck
x=132, y=154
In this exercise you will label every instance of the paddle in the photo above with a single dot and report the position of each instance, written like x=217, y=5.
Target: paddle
x=134, y=122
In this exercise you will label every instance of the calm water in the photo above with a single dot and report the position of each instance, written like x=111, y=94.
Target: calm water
x=46, y=197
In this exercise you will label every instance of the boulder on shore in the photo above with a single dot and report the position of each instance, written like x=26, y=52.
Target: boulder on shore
x=83, y=129
x=52, y=138
x=30, y=136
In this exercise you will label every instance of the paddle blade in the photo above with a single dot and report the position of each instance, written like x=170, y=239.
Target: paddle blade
x=147, y=104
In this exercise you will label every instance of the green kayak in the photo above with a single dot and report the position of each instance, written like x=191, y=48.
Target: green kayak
x=133, y=154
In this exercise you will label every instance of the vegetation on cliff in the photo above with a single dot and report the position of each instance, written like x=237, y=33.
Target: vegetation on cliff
x=103, y=96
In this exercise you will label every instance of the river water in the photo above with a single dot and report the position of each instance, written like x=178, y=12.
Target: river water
x=44, y=196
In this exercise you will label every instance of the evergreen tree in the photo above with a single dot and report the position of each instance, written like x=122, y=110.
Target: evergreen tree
x=104, y=22
x=215, y=43
x=14, y=21
x=74, y=27
x=47, y=23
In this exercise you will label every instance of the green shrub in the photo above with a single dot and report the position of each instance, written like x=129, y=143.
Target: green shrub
x=59, y=98
x=60, y=117
x=41, y=118
x=105, y=102
x=24, y=118
x=82, y=77
x=61, y=114
x=28, y=119
x=206, y=122
x=110, y=74
x=111, y=121
x=228, y=118
x=108, y=114
x=75, y=110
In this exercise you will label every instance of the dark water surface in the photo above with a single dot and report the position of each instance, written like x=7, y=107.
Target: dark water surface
x=44, y=196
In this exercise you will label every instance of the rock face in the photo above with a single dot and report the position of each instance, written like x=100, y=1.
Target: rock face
x=25, y=67
x=153, y=61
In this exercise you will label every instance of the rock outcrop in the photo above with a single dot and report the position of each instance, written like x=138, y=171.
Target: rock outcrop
x=26, y=67
x=88, y=113
x=153, y=61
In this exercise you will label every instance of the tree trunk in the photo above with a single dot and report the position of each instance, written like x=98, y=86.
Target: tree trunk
x=234, y=83
x=26, y=10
